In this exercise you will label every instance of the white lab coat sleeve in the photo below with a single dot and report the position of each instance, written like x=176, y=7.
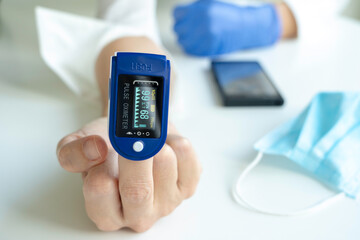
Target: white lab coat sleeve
x=310, y=15
x=129, y=18
x=70, y=44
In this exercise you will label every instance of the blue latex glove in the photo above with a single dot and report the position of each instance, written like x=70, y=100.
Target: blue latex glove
x=209, y=28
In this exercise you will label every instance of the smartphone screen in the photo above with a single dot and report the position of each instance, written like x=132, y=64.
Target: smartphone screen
x=245, y=84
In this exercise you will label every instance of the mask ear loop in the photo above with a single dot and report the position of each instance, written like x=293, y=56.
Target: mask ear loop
x=240, y=199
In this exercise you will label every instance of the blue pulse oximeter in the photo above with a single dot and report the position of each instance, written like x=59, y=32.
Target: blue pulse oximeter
x=139, y=88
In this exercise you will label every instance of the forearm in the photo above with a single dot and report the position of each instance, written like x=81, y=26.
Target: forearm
x=289, y=26
x=126, y=44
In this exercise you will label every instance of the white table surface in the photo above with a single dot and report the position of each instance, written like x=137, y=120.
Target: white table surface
x=39, y=200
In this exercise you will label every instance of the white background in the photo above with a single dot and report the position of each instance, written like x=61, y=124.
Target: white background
x=39, y=200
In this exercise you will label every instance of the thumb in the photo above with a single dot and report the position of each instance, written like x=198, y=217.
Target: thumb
x=78, y=154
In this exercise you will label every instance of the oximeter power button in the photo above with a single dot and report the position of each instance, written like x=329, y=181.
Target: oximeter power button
x=138, y=146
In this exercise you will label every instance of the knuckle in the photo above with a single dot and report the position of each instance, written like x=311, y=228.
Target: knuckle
x=190, y=189
x=187, y=191
x=168, y=204
x=106, y=227
x=99, y=183
x=166, y=209
x=165, y=153
x=166, y=150
x=182, y=145
x=136, y=192
x=190, y=192
x=142, y=226
x=200, y=168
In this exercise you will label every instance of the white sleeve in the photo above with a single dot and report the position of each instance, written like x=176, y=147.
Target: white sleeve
x=318, y=32
x=311, y=14
x=70, y=44
x=129, y=18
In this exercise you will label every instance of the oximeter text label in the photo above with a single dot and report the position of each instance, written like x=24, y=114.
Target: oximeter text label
x=125, y=112
x=136, y=66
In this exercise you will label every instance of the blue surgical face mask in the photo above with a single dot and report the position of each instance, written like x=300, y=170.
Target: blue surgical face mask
x=324, y=139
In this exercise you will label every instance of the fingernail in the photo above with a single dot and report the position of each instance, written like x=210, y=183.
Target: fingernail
x=90, y=150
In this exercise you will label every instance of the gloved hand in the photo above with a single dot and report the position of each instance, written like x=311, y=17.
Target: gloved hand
x=209, y=27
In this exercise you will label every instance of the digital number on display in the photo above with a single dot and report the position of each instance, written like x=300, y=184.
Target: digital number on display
x=144, y=107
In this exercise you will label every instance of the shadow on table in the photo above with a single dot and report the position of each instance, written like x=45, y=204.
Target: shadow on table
x=59, y=203
x=213, y=88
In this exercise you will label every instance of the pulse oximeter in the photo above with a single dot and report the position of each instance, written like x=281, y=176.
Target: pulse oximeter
x=139, y=88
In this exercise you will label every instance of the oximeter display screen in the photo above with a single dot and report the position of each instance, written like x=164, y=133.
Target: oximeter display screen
x=139, y=106
x=144, y=107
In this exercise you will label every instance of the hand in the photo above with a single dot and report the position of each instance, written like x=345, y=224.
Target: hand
x=208, y=28
x=123, y=193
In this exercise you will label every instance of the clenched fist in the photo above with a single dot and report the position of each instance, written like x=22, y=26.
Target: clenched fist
x=122, y=193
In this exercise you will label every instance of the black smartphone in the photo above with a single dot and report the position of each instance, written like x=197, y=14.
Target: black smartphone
x=245, y=84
